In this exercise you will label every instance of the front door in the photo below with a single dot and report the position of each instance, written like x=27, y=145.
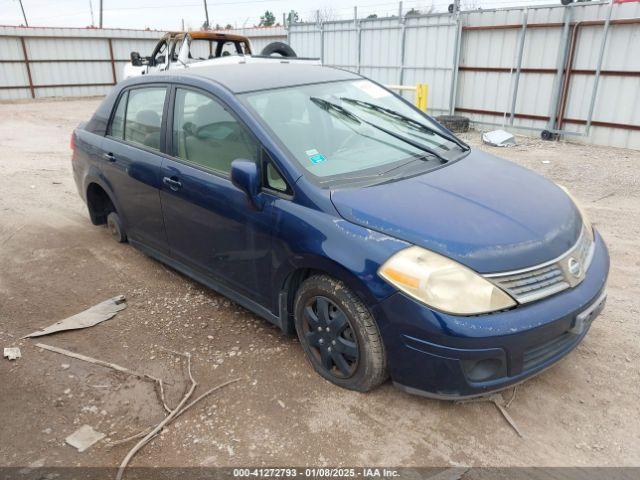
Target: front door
x=131, y=163
x=210, y=224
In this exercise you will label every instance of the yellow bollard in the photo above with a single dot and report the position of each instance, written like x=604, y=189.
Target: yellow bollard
x=422, y=93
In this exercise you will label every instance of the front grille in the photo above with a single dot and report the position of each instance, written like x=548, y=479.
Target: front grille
x=552, y=277
x=536, y=356
x=534, y=284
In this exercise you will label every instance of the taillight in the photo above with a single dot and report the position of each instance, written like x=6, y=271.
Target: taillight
x=72, y=143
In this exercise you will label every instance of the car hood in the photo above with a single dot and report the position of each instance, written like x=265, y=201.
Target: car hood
x=484, y=212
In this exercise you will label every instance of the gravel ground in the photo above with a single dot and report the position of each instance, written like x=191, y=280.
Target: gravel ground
x=54, y=263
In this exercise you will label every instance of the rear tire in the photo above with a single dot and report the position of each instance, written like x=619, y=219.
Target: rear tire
x=114, y=225
x=338, y=334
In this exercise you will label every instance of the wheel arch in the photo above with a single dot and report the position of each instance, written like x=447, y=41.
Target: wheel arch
x=100, y=200
x=306, y=267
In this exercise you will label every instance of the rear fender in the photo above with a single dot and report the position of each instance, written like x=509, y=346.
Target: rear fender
x=94, y=175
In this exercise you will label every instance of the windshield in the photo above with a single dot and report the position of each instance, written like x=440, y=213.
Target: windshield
x=353, y=130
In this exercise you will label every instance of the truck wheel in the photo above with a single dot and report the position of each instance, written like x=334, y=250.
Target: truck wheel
x=115, y=227
x=338, y=334
x=279, y=48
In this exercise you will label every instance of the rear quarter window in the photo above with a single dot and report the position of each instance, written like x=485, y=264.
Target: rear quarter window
x=116, y=128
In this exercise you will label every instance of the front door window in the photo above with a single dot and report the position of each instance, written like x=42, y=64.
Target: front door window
x=207, y=135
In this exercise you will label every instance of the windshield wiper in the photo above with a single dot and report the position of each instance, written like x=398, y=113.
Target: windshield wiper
x=327, y=105
x=406, y=120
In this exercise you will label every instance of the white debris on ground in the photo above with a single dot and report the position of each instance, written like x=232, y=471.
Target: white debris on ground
x=12, y=353
x=84, y=438
x=87, y=318
x=499, y=138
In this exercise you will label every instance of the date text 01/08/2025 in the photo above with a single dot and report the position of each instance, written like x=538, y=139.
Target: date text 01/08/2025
x=319, y=472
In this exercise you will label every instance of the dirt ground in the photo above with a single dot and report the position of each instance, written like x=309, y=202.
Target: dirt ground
x=54, y=263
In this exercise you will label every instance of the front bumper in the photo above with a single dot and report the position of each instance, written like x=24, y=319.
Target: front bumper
x=447, y=356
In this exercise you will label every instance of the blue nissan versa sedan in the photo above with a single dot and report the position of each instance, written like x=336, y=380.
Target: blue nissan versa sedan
x=333, y=208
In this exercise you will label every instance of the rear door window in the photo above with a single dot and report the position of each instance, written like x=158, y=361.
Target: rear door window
x=143, y=118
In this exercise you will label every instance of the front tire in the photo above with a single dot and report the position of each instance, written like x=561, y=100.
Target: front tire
x=338, y=334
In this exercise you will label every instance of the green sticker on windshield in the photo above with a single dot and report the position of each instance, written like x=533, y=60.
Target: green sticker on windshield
x=315, y=156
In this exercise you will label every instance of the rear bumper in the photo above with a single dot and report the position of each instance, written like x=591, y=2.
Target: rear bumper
x=446, y=356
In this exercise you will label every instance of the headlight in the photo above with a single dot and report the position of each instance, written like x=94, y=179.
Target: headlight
x=585, y=219
x=442, y=283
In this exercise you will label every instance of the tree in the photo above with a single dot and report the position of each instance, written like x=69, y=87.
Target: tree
x=373, y=15
x=228, y=27
x=268, y=19
x=411, y=12
x=293, y=17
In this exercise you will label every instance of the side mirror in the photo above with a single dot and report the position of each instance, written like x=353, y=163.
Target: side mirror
x=245, y=175
x=136, y=60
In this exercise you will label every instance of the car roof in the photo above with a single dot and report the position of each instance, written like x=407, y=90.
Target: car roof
x=247, y=77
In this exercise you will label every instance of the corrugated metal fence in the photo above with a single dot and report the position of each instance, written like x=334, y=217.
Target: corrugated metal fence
x=570, y=70
x=388, y=50
x=46, y=62
x=536, y=68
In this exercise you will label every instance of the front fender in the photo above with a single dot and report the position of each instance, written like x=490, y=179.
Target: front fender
x=305, y=238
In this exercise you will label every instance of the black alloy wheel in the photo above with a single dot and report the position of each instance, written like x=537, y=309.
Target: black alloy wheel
x=328, y=332
x=338, y=334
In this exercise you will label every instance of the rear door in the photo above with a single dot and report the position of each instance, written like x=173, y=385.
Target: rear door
x=210, y=224
x=132, y=160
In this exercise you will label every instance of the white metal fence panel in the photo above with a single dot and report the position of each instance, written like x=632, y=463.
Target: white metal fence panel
x=486, y=84
x=429, y=57
x=340, y=46
x=416, y=49
x=540, y=76
x=78, y=62
x=618, y=99
x=305, y=39
x=43, y=62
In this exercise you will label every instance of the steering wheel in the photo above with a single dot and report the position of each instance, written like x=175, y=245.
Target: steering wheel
x=190, y=129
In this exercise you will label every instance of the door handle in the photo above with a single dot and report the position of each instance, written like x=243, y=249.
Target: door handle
x=173, y=183
x=109, y=157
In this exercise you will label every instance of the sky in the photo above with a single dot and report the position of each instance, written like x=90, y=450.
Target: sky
x=168, y=14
